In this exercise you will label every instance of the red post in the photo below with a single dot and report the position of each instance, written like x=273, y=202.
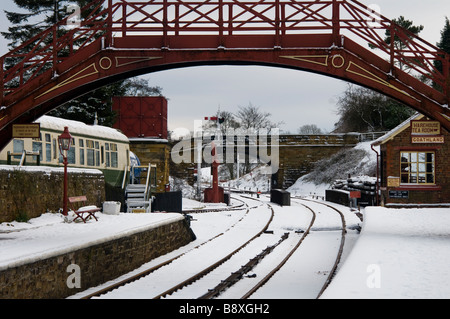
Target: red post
x=65, y=187
x=336, y=23
x=109, y=25
x=165, y=24
x=392, y=47
x=215, y=172
x=54, y=50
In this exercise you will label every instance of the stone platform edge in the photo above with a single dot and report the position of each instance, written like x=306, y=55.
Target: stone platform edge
x=54, y=277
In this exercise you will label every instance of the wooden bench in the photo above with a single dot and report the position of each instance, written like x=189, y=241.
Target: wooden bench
x=88, y=210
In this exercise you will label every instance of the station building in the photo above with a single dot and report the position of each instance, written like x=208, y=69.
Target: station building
x=414, y=165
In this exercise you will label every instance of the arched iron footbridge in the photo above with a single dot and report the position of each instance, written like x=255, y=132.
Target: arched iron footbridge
x=117, y=39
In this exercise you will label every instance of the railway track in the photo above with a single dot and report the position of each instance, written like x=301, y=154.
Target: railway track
x=281, y=261
x=282, y=250
x=340, y=251
x=141, y=274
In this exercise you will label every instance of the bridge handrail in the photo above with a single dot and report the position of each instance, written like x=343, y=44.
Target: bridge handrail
x=47, y=50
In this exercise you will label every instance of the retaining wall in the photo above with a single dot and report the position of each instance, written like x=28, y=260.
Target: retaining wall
x=99, y=263
x=28, y=192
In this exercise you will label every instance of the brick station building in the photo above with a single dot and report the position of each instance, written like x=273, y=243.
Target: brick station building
x=415, y=164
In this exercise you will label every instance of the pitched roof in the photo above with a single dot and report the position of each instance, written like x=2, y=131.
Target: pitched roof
x=397, y=130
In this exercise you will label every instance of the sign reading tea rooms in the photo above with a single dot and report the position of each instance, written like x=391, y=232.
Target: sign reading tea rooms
x=426, y=132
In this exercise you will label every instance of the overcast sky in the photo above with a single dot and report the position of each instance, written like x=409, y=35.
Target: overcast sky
x=294, y=97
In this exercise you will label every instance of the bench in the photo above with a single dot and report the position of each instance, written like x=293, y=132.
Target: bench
x=88, y=210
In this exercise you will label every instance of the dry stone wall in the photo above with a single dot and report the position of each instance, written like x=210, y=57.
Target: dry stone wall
x=29, y=192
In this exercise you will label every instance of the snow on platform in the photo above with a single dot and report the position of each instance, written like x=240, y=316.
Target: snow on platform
x=49, y=235
x=401, y=253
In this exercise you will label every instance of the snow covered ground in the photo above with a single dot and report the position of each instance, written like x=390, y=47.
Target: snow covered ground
x=48, y=235
x=400, y=253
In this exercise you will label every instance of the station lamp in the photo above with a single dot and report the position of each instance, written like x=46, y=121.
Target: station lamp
x=64, y=142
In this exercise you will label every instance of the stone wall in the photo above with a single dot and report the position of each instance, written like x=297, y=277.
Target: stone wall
x=29, y=192
x=99, y=263
x=297, y=155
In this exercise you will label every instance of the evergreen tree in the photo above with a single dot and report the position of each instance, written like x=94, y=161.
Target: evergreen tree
x=99, y=102
x=39, y=16
x=400, y=44
x=443, y=44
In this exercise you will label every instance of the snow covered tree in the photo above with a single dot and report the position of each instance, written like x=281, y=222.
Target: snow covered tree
x=42, y=14
x=99, y=102
x=140, y=87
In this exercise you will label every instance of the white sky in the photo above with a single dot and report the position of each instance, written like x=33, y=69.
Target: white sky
x=294, y=97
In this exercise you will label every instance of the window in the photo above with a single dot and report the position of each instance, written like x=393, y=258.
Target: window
x=18, y=147
x=107, y=155
x=48, y=148
x=55, y=149
x=417, y=167
x=90, y=152
x=37, y=147
x=81, y=145
x=111, y=155
x=71, y=153
x=97, y=154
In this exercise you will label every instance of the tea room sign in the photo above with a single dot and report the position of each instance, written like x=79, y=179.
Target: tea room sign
x=426, y=132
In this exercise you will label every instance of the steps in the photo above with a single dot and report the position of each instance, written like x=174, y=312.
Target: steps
x=138, y=196
x=137, y=199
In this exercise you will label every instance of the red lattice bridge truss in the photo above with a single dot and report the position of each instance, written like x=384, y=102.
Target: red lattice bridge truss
x=118, y=39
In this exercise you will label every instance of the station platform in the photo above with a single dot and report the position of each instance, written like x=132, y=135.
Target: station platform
x=49, y=235
x=37, y=253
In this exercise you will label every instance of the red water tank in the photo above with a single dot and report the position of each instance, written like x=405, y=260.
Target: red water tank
x=141, y=116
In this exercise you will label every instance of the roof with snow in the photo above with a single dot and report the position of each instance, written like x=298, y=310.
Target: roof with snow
x=76, y=127
x=397, y=130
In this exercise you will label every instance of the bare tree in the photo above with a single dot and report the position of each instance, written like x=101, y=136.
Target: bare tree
x=250, y=117
x=308, y=129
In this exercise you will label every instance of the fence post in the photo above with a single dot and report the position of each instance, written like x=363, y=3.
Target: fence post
x=54, y=50
x=109, y=26
x=336, y=23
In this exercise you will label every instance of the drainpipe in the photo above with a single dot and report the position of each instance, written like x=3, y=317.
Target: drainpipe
x=377, y=184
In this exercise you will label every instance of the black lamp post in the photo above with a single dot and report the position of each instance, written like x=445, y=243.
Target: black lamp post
x=65, y=141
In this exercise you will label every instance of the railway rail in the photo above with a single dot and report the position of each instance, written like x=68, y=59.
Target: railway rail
x=282, y=256
x=110, y=287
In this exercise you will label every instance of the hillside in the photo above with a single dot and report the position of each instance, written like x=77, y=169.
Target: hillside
x=358, y=161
